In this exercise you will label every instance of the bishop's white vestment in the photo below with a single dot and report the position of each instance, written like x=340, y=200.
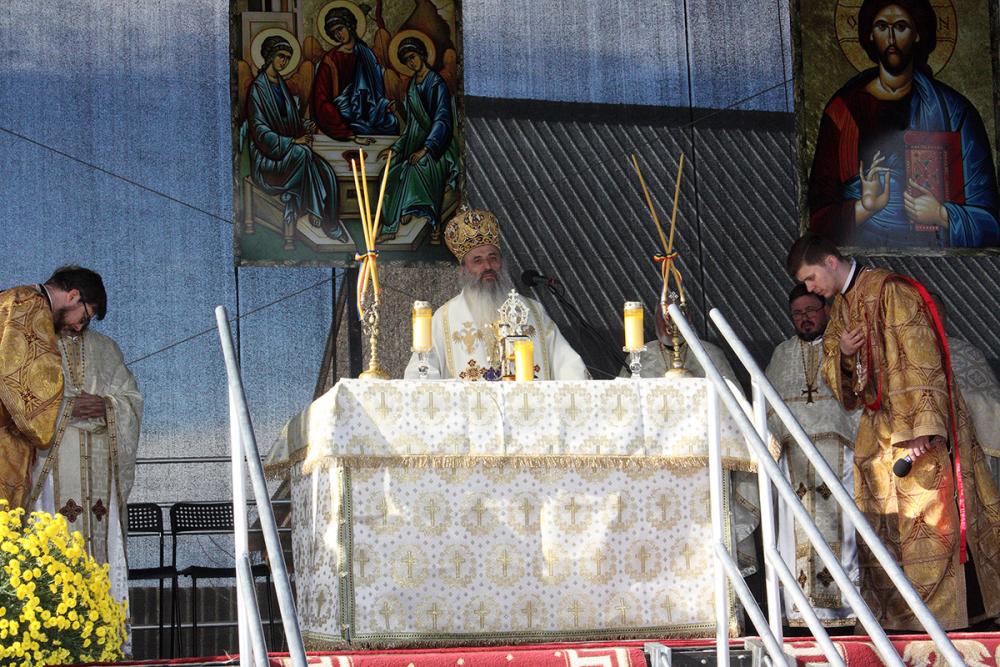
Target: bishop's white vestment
x=461, y=348
x=794, y=371
x=88, y=472
x=981, y=392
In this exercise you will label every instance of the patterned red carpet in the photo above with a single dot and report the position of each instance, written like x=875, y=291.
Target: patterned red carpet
x=978, y=649
x=549, y=655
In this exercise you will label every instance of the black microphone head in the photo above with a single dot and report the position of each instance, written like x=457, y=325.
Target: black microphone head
x=531, y=277
x=901, y=468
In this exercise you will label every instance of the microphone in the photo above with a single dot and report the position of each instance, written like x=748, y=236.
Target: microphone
x=533, y=278
x=902, y=467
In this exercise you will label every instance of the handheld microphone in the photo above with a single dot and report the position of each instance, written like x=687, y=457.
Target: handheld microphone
x=902, y=467
x=534, y=278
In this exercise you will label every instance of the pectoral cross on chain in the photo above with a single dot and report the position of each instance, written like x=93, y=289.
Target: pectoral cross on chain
x=809, y=391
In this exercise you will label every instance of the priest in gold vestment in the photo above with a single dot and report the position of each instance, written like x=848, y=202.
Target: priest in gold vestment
x=465, y=345
x=885, y=353
x=31, y=379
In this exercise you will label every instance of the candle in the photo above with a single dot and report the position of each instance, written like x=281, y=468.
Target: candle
x=634, y=339
x=524, y=360
x=422, y=326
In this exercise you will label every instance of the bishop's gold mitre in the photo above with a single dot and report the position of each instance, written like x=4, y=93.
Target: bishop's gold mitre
x=471, y=228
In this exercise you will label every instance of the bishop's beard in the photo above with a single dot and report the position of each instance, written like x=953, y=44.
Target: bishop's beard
x=484, y=298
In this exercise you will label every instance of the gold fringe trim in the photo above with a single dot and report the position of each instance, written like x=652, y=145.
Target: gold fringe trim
x=525, y=462
x=322, y=642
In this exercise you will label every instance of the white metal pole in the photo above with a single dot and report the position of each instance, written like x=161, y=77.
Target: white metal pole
x=773, y=647
x=240, y=537
x=255, y=633
x=846, y=501
x=269, y=527
x=715, y=483
x=882, y=644
x=768, y=533
x=771, y=555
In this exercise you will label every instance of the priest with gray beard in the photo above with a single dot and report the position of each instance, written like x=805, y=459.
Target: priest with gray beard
x=795, y=373
x=465, y=345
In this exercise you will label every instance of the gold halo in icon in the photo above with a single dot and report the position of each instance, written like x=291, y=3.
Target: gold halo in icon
x=258, y=42
x=350, y=6
x=394, y=46
x=846, y=25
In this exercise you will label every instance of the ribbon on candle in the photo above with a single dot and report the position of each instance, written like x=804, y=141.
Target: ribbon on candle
x=668, y=269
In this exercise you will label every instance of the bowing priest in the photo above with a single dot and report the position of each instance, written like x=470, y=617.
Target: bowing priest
x=794, y=372
x=31, y=378
x=465, y=345
x=885, y=352
x=87, y=474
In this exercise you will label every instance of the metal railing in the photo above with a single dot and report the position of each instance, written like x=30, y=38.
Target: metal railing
x=245, y=454
x=769, y=474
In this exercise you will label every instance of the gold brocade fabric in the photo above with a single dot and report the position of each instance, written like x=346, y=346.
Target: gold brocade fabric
x=31, y=387
x=915, y=516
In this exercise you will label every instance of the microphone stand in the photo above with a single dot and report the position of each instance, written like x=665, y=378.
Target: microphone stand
x=595, y=336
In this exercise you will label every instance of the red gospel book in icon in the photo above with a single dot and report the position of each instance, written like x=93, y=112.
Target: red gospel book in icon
x=934, y=160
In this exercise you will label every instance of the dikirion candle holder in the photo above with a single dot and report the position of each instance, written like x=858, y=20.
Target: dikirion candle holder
x=635, y=341
x=422, y=340
x=368, y=271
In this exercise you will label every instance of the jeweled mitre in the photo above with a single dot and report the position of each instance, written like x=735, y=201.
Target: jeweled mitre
x=471, y=228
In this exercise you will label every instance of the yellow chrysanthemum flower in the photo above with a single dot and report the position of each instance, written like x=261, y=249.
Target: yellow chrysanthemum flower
x=55, y=601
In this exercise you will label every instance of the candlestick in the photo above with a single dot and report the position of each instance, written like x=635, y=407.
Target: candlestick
x=422, y=315
x=524, y=360
x=422, y=341
x=634, y=336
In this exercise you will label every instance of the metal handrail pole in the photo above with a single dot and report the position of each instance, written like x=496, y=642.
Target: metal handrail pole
x=882, y=644
x=241, y=540
x=844, y=499
x=715, y=481
x=772, y=556
x=247, y=601
x=772, y=645
x=768, y=532
x=265, y=513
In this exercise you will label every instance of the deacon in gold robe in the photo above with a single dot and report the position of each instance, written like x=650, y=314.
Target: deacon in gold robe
x=885, y=351
x=31, y=379
x=794, y=372
x=465, y=344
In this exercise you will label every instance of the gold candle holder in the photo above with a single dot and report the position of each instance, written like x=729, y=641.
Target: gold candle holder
x=371, y=327
x=676, y=369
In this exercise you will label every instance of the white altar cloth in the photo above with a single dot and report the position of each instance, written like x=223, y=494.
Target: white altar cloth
x=457, y=512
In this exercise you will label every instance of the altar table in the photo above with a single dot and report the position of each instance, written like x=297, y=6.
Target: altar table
x=437, y=512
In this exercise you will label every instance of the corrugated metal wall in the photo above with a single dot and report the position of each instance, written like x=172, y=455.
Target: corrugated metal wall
x=571, y=204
